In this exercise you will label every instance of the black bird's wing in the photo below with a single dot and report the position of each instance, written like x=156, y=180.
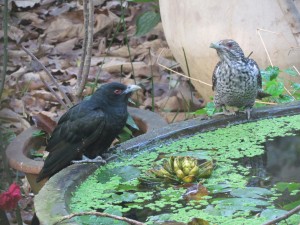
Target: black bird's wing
x=76, y=130
x=214, y=76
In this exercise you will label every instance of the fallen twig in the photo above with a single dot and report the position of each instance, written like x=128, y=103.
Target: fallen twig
x=283, y=217
x=68, y=101
x=180, y=74
x=295, y=68
x=266, y=50
x=5, y=44
x=130, y=221
x=89, y=47
x=84, y=43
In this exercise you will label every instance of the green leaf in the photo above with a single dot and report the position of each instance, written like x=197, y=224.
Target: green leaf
x=296, y=86
x=38, y=133
x=284, y=99
x=146, y=22
x=270, y=73
x=125, y=172
x=291, y=205
x=274, y=87
x=124, y=197
x=291, y=72
x=271, y=214
x=200, y=154
x=219, y=188
x=210, y=108
x=227, y=207
x=250, y=192
x=131, y=122
x=35, y=154
x=106, y=220
x=125, y=135
x=282, y=186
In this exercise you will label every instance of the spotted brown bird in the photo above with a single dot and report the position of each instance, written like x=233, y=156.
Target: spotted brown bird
x=236, y=79
x=88, y=128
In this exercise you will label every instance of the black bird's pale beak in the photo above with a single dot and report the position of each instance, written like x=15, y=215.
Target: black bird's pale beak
x=215, y=45
x=131, y=88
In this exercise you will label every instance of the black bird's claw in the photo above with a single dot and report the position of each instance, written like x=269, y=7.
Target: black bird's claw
x=85, y=159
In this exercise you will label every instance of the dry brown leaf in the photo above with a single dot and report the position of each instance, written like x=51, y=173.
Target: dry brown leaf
x=10, y=118
x=116, y=66
x=169, y=104
x=95, y=61
x=196, y=192
x=25, y=3
x=33, y=105
x=15, y=33
x=64, y=7
x=44, y=122
x=70, y=25
x=17, y=105
x=66, y=47
x=32, y=17
x=122, y=52
x=42, y=94
x=31, y=81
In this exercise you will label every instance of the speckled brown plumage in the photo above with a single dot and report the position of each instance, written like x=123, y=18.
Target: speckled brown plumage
x=236, y=78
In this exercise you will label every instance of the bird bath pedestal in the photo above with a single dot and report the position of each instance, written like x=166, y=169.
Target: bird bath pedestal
x=55, y=198
x=19, y=149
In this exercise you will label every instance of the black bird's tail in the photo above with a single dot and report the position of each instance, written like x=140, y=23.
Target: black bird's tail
x=58, y=160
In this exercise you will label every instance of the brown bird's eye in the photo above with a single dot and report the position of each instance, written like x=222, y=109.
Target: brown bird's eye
x=229, y=45
x=118, y=91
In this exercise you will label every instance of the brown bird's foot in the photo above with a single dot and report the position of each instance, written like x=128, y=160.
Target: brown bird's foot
x=248, y=112
x=226, y=112
x=85, y=159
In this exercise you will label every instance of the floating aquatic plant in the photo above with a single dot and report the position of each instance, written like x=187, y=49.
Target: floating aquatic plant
x=183, y=169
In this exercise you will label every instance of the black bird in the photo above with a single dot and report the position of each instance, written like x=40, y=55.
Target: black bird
x=236, y=79
x=88, y=128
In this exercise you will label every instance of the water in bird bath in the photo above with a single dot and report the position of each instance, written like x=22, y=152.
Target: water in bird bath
x=245, y=187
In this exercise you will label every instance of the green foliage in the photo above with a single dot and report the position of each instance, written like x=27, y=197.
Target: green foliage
x=282, y=186
x=146, y=22
x=209, y=109
x=127, y=133
x=274, y=85
x=38, y=133
x=35, y=154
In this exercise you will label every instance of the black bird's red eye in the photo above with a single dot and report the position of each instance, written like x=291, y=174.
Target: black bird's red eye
x=229, y=45
x=118, y=91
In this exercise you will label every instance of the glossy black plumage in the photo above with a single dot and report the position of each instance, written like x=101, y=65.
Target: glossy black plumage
x=88, y=128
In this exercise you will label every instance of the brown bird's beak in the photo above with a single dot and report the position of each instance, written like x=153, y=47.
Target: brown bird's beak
x=215, y=45
x=131, y=88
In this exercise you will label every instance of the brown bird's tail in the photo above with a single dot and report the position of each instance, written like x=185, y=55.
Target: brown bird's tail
x=261, y=94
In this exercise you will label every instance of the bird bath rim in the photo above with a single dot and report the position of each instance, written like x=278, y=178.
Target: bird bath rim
x=60, y=186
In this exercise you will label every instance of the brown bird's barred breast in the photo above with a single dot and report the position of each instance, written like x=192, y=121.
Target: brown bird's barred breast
x=236, y=79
